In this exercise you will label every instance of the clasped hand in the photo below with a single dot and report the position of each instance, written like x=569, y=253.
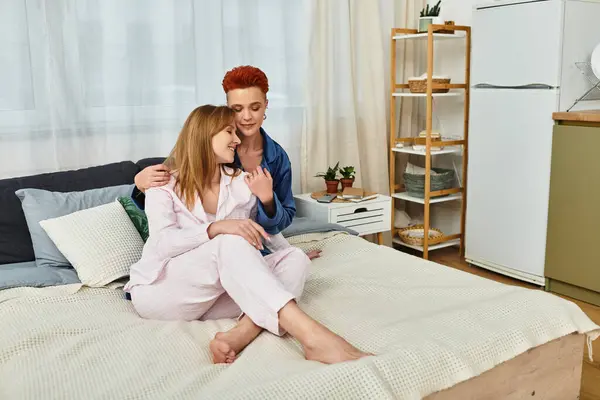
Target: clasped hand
x=249, y=230
x=246, y=228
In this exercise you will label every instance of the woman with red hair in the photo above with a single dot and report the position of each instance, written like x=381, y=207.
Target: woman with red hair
x=269, y=179
x=246, y=89
x=258, y=154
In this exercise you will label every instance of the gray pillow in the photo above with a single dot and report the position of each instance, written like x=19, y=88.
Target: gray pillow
x=39, y=205
x=303, y=225
x=29, y=274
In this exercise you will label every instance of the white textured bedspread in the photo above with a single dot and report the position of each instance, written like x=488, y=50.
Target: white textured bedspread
x=431, y=327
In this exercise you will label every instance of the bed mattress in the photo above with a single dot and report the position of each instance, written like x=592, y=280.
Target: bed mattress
x=430, y=327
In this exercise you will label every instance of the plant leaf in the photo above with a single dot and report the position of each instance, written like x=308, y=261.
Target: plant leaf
x=137, y=216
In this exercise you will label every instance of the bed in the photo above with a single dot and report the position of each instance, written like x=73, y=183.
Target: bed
x=438, y=333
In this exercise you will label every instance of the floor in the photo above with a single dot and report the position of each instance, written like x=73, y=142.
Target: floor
x=590, y=385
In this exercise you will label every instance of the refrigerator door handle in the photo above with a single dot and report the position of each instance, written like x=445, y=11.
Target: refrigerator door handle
x=528, y=86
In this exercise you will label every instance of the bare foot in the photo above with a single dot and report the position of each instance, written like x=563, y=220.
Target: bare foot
x=319, y=343
x=227, y=345
x=329, y=348
x=314, y=254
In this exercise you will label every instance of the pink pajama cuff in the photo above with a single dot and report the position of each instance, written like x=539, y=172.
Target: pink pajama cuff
x=271, y=322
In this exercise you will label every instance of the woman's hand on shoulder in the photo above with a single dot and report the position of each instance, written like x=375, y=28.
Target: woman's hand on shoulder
x=152, y=176
x=246, y=228
x=260, y=183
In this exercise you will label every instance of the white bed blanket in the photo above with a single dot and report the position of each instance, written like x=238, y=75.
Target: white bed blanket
x=431, y=327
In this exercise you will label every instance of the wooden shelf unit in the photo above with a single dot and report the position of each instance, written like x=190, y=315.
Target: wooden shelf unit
x=455, y=194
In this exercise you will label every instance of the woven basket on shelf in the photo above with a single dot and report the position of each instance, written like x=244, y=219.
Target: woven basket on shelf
x=414, y=235
x=420, y=85
x=415, y=183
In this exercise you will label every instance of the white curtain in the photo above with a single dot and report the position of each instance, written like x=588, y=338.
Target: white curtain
x=88, y=82
x=346, y=93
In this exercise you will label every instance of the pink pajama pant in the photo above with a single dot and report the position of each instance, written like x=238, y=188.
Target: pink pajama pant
x=224, y=278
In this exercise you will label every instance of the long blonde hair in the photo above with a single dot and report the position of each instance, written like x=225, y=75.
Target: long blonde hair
x=192, y=159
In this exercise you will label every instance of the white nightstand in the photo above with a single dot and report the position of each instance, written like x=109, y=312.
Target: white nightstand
x=366, y=218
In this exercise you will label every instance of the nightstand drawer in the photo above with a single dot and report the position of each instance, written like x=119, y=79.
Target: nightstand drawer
x=363, y=218
x=366, y=218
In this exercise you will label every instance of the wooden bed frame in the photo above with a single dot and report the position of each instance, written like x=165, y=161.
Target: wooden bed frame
x=550, y=371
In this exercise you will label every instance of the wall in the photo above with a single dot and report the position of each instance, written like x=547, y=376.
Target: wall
x=449, y=114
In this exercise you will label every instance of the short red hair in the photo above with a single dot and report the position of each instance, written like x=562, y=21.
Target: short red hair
x=245, y=76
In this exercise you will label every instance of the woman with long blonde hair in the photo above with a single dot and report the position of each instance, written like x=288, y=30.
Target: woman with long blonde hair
x=202, y=259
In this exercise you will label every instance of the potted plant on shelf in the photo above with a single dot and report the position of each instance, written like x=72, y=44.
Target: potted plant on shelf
x=331, y=179
x=347, y=176
x=430, y=16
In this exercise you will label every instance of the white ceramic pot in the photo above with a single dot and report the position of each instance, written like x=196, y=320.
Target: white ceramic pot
x=424, y=22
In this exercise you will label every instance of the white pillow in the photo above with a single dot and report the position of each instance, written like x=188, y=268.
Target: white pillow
x=100, y=242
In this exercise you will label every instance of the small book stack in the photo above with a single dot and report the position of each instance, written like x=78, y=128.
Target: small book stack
x=356, y=195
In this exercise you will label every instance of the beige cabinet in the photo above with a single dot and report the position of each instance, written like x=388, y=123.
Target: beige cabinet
x=573, y=237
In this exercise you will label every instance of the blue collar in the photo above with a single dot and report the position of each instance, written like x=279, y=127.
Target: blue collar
x=269, y=151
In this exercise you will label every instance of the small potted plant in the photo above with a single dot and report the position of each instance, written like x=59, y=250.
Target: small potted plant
x=347, y=177
x=430, y=16
x=331, y=179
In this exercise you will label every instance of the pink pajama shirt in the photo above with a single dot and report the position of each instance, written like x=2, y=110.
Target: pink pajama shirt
x=184, y=275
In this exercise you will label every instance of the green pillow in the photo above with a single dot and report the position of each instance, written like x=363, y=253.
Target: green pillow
x=137, y=216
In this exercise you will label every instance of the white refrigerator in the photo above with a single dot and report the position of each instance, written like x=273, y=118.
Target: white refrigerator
x=522, y=70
